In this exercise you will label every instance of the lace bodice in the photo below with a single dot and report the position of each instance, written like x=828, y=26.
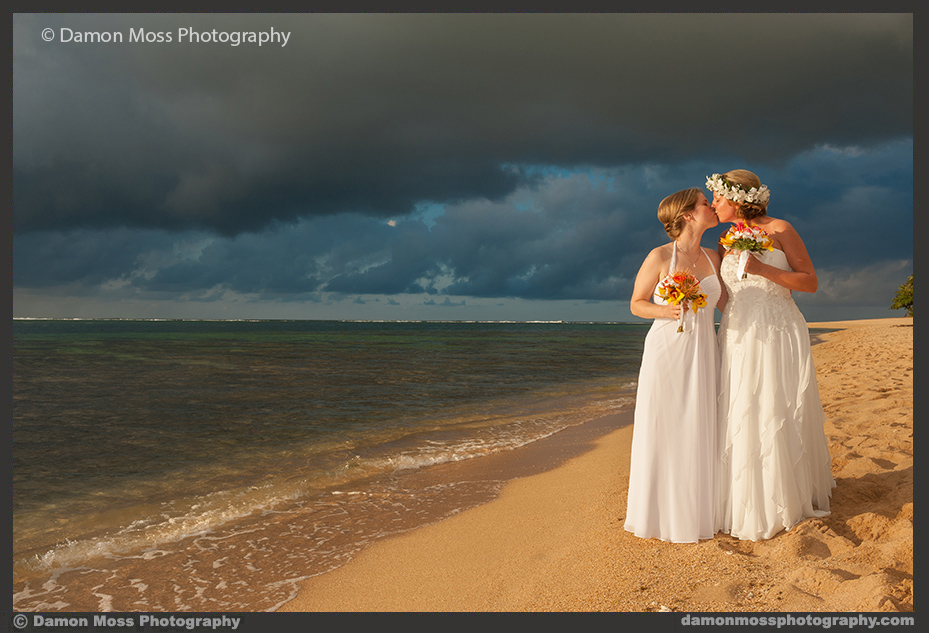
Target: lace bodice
x=755, y=300
x=773, y=455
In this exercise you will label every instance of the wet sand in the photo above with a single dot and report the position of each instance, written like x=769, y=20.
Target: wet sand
x=554, y=540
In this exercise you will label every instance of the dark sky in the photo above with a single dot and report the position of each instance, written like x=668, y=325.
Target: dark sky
x=455, y=166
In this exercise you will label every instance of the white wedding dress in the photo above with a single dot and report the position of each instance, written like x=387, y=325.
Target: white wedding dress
x=774, y=457
x=673, y=461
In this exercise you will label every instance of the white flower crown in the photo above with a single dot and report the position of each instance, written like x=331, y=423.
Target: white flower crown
x=734, y=192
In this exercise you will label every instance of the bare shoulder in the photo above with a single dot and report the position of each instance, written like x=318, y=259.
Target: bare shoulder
x=652, y=269
x=656, y=261
x=660, y=253
x=783, y=233
x=778, y=222
x=778, y=225
x=714, y=256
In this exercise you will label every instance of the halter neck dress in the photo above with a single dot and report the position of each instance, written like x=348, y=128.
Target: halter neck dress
x=672, y=475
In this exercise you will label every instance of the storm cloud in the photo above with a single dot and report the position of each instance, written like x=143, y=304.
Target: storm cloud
x=470, y=155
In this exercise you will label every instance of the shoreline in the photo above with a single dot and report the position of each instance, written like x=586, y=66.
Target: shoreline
x=320, y=433
x=554, y=540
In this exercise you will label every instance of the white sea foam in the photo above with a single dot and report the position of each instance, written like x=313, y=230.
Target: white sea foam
x=404, y=398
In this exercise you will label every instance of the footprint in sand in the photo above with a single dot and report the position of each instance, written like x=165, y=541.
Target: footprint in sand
x=810, y=540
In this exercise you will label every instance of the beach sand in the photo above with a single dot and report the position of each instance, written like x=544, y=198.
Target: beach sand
x=554, y=540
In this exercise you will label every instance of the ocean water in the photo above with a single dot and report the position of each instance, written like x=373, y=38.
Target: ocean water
x=168, y=465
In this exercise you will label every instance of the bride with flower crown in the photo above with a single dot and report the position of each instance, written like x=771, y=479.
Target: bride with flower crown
x=772, y=450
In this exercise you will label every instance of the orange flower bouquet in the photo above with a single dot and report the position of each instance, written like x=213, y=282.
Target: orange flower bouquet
x=682, y=288
x=746, y=238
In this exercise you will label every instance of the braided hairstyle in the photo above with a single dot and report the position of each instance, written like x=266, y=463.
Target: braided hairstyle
x=672, y=209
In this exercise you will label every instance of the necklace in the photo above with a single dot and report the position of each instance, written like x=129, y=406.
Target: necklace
x=693, y=262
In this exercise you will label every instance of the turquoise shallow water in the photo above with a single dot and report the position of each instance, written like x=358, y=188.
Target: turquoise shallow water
x=131, y=436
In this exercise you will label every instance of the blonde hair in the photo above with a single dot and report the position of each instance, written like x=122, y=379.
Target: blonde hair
x=747, y=210
x=672, y=209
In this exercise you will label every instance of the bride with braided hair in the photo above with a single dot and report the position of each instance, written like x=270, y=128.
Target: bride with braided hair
x=773, y=455
x=672, y=465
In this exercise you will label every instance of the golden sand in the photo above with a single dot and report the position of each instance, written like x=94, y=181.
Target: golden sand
x=555, y=541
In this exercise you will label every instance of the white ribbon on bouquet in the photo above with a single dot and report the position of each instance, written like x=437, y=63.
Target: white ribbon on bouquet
x=743, y=259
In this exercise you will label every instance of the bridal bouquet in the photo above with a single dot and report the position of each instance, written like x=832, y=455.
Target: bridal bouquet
x=682, y=288
x=746, y=238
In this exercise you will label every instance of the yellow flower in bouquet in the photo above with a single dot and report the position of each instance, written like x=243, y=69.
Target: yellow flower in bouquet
x=746, y=238
x=682, y=288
